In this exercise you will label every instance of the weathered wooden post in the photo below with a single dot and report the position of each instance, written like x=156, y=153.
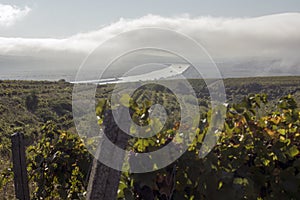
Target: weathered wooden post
x=104, y=181
x=19, y=166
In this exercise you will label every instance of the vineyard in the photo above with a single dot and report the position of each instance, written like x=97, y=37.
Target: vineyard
x=257, y=155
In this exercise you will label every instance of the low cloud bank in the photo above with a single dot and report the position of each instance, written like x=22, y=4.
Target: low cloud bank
x=273, y=37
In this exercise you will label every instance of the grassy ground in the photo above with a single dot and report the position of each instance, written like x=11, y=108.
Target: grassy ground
x=26, y=105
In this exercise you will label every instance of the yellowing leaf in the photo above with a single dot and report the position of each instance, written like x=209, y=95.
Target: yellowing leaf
x=270, y=132
x=275, y=120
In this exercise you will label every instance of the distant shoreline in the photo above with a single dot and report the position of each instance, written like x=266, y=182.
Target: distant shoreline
x=227, y=78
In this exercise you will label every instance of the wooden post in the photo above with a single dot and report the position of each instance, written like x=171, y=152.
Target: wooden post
x=19, y=166
x=104, y=181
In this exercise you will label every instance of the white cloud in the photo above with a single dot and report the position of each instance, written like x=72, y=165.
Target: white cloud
x=223, y=36
x=9, y=14
x=267, y=37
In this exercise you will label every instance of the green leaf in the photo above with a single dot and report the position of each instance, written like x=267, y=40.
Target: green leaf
x=293, y=151
x=125, y=100
x=282, y=131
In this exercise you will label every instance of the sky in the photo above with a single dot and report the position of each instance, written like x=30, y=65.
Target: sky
x=60, y=19
x=35, y=32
